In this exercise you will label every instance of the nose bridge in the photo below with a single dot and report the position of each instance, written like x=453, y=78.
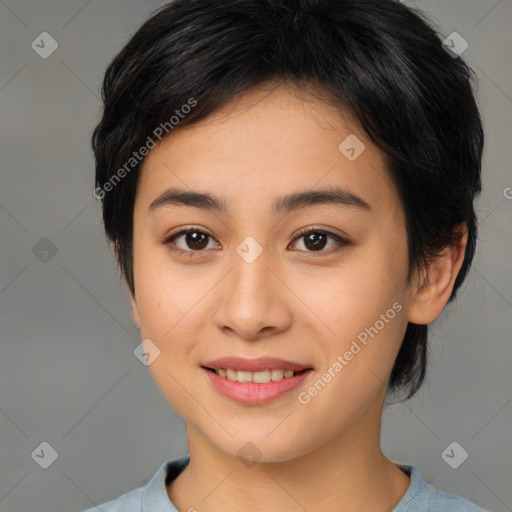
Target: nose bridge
x=251, y=276
x=250, y=301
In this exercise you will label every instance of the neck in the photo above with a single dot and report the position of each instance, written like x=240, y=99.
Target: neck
x=349, y=472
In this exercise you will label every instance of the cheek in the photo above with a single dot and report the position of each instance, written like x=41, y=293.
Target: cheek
x=171, y=313
x=163, y=295
x=352, y=296
x=363, y=304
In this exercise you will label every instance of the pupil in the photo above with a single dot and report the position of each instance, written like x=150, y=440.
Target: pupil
x=315, y=244
x=194, y=237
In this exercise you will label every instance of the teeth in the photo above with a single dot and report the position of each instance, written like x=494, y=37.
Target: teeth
x=259, y=377
x=244, y=376
x=277, y=374
x=232, y=374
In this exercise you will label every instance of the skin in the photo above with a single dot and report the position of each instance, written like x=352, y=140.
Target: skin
x=292, y=302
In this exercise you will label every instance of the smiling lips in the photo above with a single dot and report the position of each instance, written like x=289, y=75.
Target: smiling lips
x=255, y=381
x=254, y=365
x=260, y=377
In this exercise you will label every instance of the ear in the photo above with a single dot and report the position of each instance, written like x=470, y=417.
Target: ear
x=436, y=283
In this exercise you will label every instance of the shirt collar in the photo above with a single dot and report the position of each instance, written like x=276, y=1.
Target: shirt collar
x=155, y=497
x=416, y=494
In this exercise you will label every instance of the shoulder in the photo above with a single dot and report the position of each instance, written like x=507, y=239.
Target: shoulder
x=153, y=496
x=128, y=502
x=443, y=501
x=423, y=497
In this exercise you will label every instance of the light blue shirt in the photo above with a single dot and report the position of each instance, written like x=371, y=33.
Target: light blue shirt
x=420, y=496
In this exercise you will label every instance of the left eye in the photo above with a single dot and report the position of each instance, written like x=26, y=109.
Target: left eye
x=314, y=240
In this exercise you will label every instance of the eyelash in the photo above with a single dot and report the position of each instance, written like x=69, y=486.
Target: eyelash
x=168, y=241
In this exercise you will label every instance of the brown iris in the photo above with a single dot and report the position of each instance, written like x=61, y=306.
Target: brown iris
x=315, y=241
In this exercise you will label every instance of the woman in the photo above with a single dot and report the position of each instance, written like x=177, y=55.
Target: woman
x=289, y=189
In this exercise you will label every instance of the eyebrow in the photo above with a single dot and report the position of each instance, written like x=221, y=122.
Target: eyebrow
x=288, y=203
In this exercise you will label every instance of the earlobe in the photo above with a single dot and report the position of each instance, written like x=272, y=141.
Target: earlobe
x=436, y=284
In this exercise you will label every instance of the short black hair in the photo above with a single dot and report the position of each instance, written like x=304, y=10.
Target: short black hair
x=378, y=60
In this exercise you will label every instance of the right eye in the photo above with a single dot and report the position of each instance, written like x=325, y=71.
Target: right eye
x=195, y=240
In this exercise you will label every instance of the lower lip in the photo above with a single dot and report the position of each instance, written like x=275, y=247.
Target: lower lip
x=251, y=393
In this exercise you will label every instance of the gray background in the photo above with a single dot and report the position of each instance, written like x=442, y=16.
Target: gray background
x=68, y=375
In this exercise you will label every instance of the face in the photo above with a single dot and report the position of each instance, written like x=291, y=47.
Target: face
x=317, y=281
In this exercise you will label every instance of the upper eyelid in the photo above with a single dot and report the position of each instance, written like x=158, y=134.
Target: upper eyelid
x=305, y=231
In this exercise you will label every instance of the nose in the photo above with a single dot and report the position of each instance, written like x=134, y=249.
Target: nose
x=252, y=302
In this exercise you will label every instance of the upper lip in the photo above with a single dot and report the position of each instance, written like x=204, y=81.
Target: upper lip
x=255, y=365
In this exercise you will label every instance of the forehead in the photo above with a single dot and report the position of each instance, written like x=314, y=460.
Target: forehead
x=265, y=143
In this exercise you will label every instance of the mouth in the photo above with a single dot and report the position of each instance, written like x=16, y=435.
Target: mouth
x=259, y=377
x=255, y=365
x=255, y=381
